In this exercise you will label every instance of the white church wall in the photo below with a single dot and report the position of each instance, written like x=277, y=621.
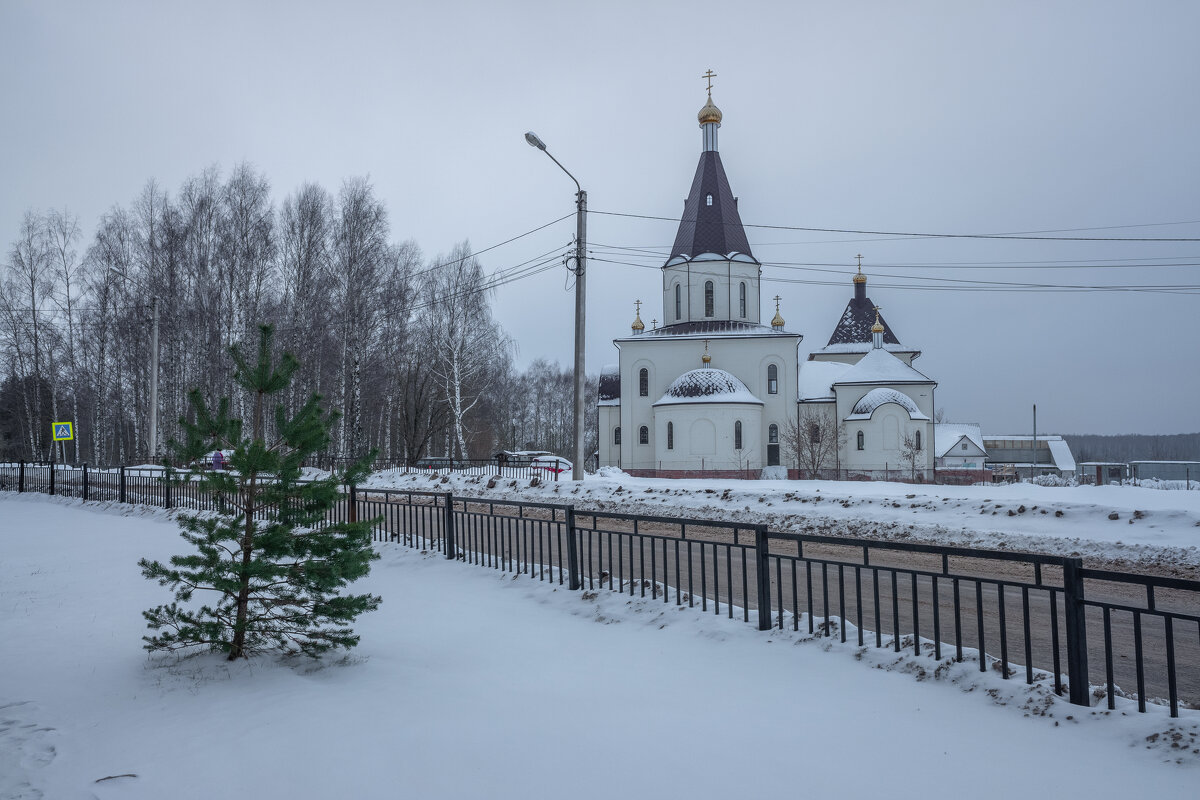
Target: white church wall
x=609, y=418
x=667, y=358
x=704, y=437
x=726, y=277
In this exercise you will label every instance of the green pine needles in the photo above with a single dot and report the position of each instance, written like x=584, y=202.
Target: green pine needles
x=268, y=563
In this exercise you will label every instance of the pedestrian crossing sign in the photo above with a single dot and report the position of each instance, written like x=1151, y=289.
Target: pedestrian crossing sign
x=63, y=431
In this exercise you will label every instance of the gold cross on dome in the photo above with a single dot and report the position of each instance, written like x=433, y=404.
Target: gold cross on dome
x=859, y=257
x=653, y=324
x=709, y=75
x=777, y=298
x=638, y=303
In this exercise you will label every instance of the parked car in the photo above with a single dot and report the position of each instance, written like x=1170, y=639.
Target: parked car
x=519, y=458
x=555, y=465
x=433, y=462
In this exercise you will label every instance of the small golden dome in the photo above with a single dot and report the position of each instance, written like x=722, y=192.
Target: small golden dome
x=706, y=358
x=878, y=326
x=709, y=113
x=777, y=322
x=638, y=325
x=860, y=278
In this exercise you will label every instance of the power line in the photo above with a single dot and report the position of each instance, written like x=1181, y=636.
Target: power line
x=962, y=284
x=924, y=235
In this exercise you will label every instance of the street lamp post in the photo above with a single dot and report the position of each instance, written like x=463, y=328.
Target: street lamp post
x=580, y=307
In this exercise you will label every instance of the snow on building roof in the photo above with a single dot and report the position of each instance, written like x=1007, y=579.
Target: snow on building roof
x=816, y=379
x=875, y=398
x=880, y=366
x=707, y=385
x=1060, y=451
x=710, y=328
x=844, y=348
x=948, y=434
x=609, y=390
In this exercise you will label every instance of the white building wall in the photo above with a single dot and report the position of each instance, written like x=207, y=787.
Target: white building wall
x=726, y=277
x=704, y=436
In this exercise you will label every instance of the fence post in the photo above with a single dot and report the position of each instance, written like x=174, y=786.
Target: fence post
x=572, y=550
x=51, y=478
x=21, y=477
x=763, y=574
x=1076, y=625
x=121, y=486
x=449, y=526
x=352, y=509
x=167, y=493
x=85, y=481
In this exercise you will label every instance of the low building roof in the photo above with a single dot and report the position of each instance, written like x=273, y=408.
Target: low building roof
x=948, y=434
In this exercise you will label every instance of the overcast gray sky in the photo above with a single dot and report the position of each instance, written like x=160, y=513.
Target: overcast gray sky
x=938, y=117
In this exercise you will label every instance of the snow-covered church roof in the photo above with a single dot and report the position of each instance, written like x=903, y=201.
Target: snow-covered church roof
x=707, y=385
x=880, y=366
x=817, y=378
x=875, y=398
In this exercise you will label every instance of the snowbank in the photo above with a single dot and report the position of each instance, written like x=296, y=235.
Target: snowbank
x=1152, y=529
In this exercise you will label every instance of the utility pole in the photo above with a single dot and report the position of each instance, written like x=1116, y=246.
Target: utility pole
x=580, y=296
x=580, y=311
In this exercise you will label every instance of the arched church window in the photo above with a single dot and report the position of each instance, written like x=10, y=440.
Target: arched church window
x=772, y=379
x=709, y=200
x=737, y=435
x=860, y=441
x=773, y=434
x=742, y=298
x=918, y=440
x=678, y=303
x=643, y=435
x=644, y=382
x=708, y=298
x=617, y=435
x=670, y=435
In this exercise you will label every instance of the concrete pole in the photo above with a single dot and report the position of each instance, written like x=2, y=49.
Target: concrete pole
x=154, y=386
x=580, y=320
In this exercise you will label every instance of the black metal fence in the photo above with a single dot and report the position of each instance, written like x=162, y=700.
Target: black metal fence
x=1035, y=616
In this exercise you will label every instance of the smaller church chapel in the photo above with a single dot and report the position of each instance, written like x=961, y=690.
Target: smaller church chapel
x=716, y=392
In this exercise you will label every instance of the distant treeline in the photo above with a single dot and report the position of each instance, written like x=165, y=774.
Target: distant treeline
x=1134, y=447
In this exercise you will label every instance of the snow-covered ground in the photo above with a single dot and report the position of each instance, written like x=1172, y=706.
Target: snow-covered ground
x=471, y=683
x=1151, y=527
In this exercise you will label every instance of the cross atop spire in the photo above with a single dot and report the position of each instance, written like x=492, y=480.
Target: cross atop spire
x=709, y=75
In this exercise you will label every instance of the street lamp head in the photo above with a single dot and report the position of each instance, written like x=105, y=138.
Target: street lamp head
x=534, y=141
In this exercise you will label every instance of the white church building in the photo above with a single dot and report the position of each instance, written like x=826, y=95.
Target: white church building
x=714, y=391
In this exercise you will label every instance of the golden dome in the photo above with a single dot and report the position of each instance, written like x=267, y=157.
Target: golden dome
x=860, y=278
x=777, y=322
x=706, y=358
x=638, y=326
x=878, y=326
x=709, y=113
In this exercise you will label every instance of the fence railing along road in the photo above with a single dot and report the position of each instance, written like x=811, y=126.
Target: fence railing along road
x=1030, y=616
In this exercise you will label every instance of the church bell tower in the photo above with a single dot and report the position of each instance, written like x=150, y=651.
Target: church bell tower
x=711, y=275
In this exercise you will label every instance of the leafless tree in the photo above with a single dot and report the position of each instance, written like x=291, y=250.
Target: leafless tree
x=814, y=439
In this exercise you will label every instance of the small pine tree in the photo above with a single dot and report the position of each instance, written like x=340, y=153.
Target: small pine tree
x=267, y=557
